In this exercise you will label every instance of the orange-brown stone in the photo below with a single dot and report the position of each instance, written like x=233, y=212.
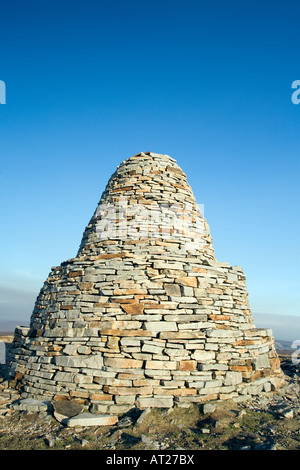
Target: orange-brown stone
x=133, y=309
x=76, y=273
x=187, y=281
x=187, y=365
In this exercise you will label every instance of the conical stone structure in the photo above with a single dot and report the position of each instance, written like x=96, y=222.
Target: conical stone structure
x=144, y=315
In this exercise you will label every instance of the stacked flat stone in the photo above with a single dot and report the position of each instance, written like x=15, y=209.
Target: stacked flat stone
x=144, y=319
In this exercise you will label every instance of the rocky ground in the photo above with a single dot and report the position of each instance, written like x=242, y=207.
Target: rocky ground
x=268, y=422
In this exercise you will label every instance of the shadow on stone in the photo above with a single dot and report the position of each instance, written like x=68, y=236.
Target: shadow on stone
x=66, y=409
x=206, y=423
x=129, y=440
x=132, y=414
x=240, y=443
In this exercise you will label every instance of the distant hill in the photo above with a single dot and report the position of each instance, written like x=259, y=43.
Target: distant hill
x=281, y=345
x=8, y=326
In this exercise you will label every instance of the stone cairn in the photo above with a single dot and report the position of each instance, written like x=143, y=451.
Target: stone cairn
x=144, y=316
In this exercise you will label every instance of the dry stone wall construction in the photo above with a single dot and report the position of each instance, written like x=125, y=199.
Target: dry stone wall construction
x=144, y=315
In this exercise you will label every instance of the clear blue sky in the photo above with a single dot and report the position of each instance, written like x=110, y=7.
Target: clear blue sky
x=90, y=83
